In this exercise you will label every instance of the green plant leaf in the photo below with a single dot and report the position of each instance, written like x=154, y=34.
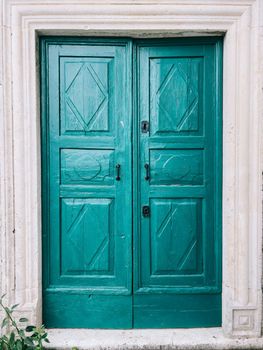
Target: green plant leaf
x=46, y=340
x=29, y=342
x=14, y=306
x=30, y=328
x=4, y=347
x=23, y=319
x=12, y=339
x=21, y=333
x=4, y=322
x=19, y=345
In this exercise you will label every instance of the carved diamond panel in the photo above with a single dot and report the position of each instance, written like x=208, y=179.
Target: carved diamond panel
x=175, y=101
x=176, y=237
x=85, y=95
x=176, y=167
x=86, y=236
x=87, y=167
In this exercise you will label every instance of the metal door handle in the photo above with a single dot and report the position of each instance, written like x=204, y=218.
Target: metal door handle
x=147, y=168
x=118, y=172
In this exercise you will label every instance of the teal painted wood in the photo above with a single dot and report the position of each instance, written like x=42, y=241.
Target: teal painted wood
x=177, y=249
x=87, y=106
x=86, y=89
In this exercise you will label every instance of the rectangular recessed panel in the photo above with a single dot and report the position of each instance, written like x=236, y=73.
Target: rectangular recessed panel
x=87, y=167
x=176, y=229
x=175, y=95
x=177, y=310
x=85, y=95
x=86, y=237
x=176, y=167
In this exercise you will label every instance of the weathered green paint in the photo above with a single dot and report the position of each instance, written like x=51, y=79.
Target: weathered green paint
x=105, y=265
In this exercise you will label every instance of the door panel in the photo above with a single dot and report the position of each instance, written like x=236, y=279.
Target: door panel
x=176, y=272
x=87, y=223
x=173, y=167
x=175, y=90
x=87, y=167
x=87, y=110
x=175, y=238
x=88, y=249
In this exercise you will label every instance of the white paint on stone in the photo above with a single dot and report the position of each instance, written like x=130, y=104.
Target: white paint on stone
x=241, y=21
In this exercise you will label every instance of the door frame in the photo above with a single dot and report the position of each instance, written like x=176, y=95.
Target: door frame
x=241, y=25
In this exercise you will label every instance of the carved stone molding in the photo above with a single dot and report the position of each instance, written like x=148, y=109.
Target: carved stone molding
x=243, y=320
x=20, y=186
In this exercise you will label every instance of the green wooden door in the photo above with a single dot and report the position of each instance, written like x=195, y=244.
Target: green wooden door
x=177, y=246
x=87, y=211
x=131, y=179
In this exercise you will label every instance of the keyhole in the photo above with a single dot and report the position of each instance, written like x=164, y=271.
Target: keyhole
x=145, y=126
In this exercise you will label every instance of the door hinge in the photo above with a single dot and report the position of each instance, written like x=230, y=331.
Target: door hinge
x=146, y=210
x=145, y=126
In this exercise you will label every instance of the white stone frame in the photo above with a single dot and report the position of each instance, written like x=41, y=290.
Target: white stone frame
x=20, y=182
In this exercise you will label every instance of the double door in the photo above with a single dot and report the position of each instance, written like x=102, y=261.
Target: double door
x=131, y=182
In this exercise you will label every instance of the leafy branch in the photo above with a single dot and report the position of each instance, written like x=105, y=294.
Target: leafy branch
x=20, y=338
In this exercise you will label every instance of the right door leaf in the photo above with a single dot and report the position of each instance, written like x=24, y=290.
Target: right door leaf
x=178, y=263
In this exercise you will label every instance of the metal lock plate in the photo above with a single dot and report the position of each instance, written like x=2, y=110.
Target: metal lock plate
x=146, y=210
x=145, y=126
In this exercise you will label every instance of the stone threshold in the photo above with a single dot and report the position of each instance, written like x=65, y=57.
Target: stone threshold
x=148, y=339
